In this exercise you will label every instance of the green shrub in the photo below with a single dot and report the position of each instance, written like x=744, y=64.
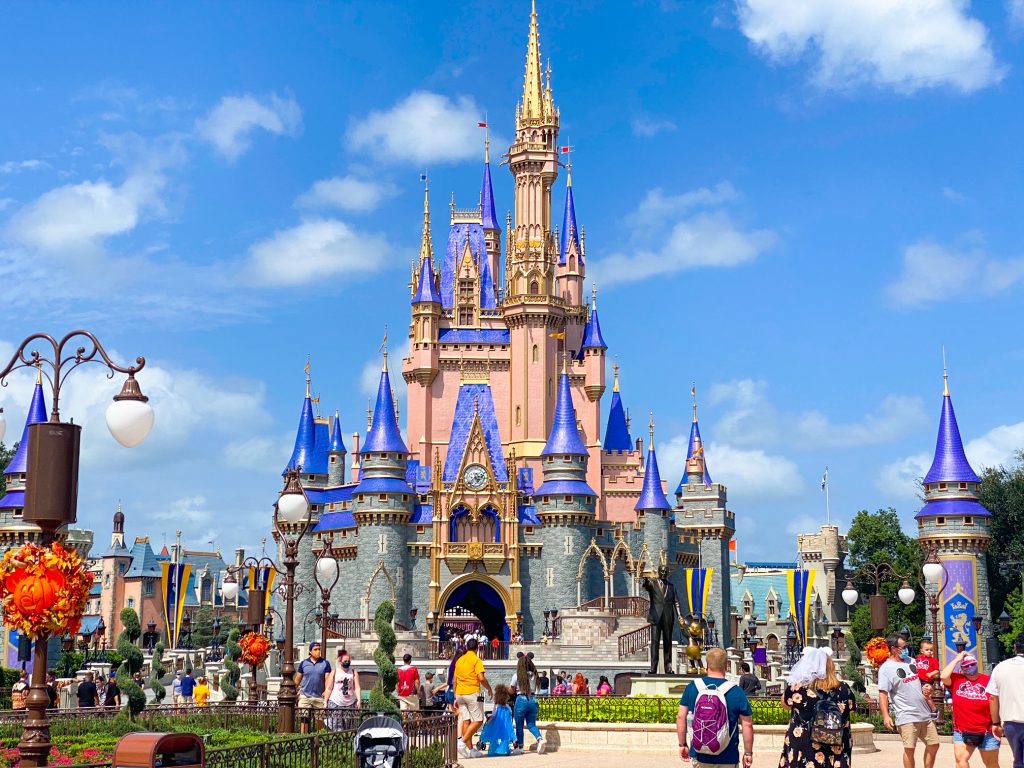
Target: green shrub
x=232, y=652
x=381, y=699
x=426, y=757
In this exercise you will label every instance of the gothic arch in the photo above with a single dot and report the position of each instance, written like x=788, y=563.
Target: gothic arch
x=381, y=569
x=643, y=561
x=592, y=550
x=620, y=546
x=497, y=586
x=621, y=551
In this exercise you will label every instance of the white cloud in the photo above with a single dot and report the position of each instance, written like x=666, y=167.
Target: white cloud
x=316, y=249
x=933, y=273
x=423, y=128
x=347, y=193
x=906, y=45
x=1015, y=8
x=895, y=417
x=700, y=233
x=6, y=202
x=187, y=510
x=17, y=166
x=812, y=524
x=229, y=125
x=646, y=126
x=259, y=454
x=952, y=195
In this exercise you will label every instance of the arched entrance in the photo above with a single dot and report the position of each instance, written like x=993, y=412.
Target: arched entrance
x=475, y=601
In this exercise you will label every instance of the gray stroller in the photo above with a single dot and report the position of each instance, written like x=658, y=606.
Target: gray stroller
x=380, y=742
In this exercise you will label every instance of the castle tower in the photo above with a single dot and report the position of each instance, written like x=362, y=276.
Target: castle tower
x=489, y=221
x=424, y=358
x=382, y=504
x=113, y=566
x=652, y=508
x=336, y=455
x=825, y=552
x=533, y=311
x=621, y=463
x=13, y=530
x=571, y=270
x=955, y=526
x=565, y=505
x=702, y=519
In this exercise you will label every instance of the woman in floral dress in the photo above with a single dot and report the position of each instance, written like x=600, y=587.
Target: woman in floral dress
x=812, y=680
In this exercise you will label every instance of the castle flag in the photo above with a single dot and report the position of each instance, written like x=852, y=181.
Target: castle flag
x=698, y=584
x=173, y=586
x=801, y=585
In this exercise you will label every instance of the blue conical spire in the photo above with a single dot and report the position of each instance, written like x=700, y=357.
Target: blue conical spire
x=616, y=435
x=565, y=435
x=36, y=414
x=426, y=290
x=592, y=338
x=305, y=435
x=652, y=497
x=570, y=232
x=384, y=435
x=695, y=449
x=950, y=464
x=337, y=443
x=490, y=220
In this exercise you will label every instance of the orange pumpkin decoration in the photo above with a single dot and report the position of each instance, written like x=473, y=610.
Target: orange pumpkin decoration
x=44, y=590
x=33, y=594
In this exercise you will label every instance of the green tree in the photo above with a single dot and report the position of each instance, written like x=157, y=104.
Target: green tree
x=1002, y=494
x=384, y=657
x=157, y=671
x=6, y=454
x=132, y=663
x=202, y=626
x=875, y=538
x=232, y=652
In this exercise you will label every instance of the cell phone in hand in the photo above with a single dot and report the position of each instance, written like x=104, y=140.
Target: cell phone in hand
x=480, y=698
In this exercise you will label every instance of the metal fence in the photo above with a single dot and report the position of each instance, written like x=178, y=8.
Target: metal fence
x=639, y=709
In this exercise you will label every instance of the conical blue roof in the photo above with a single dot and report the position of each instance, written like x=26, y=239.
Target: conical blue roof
x=490, y=221
x=384, y=435
x=305, y=437
x=592, y=338
x=565, y=435
x=36, y=414
x=321, y=444
x=695, y=440
x=616, y=435
x=950, y=464
x=488, y=296
x=651, y=497
x=569, y=229
x=427, y=288
x=337, y=443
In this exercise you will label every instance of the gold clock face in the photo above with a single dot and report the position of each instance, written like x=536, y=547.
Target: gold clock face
x=475, y=476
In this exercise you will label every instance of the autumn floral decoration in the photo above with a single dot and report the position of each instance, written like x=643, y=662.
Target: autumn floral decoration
x=255, y=648
x=877, y=650
x=44, y=589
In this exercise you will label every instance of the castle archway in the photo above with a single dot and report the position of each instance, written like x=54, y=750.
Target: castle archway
x=475, y=601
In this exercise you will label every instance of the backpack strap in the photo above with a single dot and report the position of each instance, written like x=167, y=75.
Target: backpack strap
x=700, y=684
x=725, y=687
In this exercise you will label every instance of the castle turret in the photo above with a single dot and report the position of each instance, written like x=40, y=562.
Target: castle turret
x=305, y=435
x=423, y=364
x=653, y=513
x=616, y=433
x=571, y=270
x=336, y=454
x=492, y=232
x=954, y=526
x=12, y=506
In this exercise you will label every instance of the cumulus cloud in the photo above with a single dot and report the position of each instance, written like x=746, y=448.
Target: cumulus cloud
x=424, y=127
x=646, y=126
x=701, y=232
x=1015, y=8
x=907, y=45
x=230, y=125
x=347, y=193
x=17, y=166
x=259, y=454
x=315, y=249
x=934, y=273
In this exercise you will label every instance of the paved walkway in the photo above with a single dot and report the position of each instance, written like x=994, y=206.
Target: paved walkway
x=890, y=755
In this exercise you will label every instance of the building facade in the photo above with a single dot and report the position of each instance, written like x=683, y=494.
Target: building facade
x=506, y=497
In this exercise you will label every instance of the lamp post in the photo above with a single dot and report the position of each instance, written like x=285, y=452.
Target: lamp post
x=326, y=575
x=51, y=491
x=877, y=602
x=791, y=651
x=149, y=638
x=215, y=628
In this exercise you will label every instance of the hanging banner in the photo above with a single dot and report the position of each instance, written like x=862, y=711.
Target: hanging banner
x=698, y=584
x=262, y=578
x=173, y=586
x=959, y=603
x=801, y=590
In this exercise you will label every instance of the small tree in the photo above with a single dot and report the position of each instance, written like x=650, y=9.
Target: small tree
x=384, y=657
x=132, y=663
x=232, y=652
x=157, y=671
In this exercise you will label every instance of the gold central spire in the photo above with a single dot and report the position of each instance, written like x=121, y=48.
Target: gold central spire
x=533, y=94
x=426, y=247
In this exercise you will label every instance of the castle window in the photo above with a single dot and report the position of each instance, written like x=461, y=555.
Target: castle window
x=420, y=529
x=519, y=416
x=333, y=459
x=546, y=500
x=963, y=486
x=968, y=521
x=147, y=588
x=568, y=545
x=131, y=602
x=534, y=288
x=536, y=353
x=122, y=568
x=382, y=544
x=942, y=486
x=940, y=521
x=465, y=315
x=18, y=513
x=551, y=577
x=568, y=499
x=359, y=497
x=551, y=387
x=528, y=530
x=405, y=497
x=382, y=497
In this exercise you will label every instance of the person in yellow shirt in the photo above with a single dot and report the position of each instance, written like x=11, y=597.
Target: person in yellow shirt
x=202, y=693
x=469, y=677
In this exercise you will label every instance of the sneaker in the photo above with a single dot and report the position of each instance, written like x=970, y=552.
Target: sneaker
x=475, y=753
x=463, y=749
x=541, y=746
x=517, y=751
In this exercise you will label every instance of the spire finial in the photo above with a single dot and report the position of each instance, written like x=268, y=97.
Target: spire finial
x=693, y=394
x=650, y=426
x=615, y=381
x=308, y=378
x=593, y=296
x=486, y=125
x=39, y=372
x=369, y=414
x=426, y=246
x=945, y=374
x=533, y=93
x=384, y=349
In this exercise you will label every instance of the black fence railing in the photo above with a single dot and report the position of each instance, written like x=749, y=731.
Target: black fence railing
x=639, y=709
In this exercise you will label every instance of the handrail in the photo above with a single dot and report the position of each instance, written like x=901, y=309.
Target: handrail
x=620, y=606
x=631, y=642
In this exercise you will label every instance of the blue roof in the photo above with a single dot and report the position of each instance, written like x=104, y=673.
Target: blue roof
x=490, y=221
x=305, y=437
x=694, y=438
x=652, y=497
x=565, y=435
x=759, y=585
x=384, y=435
x=332, y=521
x=382, y=485
x=569, y=228
x=525, y=482
x=564, y=487
x=418, y=476
x=13, y=500
x=423, y=514
x=453, y=257
x=36, y=414
x=474, y=399
x=337, y=442
x=321, y=444
x=96, y=589
x=616, y=434
x=488, y=296
x=946, y=507
x=144, y=561
x=474, y=335
x=117, y=550
x=89, y=624
x=528, y=515
x=427, y=288
x=330, y=495
x=950, y=464
x=592, y=338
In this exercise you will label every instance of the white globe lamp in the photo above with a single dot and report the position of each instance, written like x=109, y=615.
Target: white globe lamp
x=932, y=572
x=230, y=588
x=130, y=416
x=906, y=594
x=326, y=570
x=850, y=595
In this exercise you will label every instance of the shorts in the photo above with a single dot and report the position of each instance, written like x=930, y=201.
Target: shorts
x=989, y=744
x=311, y=702
x=409, y=703
x=186, y=699
x=925, y=732
x=469, y=708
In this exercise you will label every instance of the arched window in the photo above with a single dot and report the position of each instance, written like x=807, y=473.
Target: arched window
x=572, y=263
x=536, y=353
x=519, y=415
x=425, y=335
x=534, y=288
x=484, y=528
x=551, y=387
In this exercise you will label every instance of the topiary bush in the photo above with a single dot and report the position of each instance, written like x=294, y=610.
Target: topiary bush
x=157, y=671
x=384, y=657
x=132, y=663
x=232, y=652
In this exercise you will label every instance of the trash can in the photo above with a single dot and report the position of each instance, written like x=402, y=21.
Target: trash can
x=159, y=750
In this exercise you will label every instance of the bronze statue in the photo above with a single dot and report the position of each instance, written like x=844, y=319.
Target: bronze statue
x=693, y=631
x=662, y=615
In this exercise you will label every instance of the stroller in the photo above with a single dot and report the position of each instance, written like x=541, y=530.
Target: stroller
x=380, y=742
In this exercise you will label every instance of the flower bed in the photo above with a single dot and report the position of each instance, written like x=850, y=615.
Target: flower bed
x=639, y=709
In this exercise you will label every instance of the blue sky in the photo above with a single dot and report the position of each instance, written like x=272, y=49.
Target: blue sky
x=795, y=205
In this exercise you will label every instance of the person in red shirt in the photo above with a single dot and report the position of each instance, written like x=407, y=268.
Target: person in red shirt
x=927, y=666
x=408, y=685
x=972, y=719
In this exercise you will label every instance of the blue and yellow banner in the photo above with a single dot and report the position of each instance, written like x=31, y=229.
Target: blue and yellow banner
x=801, y=589
x=173, y=587
x=698, y=584
x=262, y=578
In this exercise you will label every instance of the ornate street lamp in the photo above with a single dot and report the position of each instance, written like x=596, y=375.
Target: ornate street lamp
x=326, y=575
x=1004, y=622
x=791, y=650
x=877, y=602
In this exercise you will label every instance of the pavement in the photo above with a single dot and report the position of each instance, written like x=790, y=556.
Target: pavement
x=890, y=755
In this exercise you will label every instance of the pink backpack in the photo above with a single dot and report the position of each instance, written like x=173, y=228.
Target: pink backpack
x=711, y=731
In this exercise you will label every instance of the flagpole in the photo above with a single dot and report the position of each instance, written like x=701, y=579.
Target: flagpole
x=828, y=508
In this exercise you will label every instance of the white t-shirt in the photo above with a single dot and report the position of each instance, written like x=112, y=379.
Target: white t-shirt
x=901, y=682
x=1007, y=682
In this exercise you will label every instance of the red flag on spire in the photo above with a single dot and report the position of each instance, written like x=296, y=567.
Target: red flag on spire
x=565, y=150
x=481, y=125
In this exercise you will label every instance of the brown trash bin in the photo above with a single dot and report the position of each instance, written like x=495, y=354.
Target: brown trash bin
x=159, y=750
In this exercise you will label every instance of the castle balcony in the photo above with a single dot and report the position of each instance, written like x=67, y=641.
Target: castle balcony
x=459, y=554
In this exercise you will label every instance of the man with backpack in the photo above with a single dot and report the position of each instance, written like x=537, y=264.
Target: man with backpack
x=720, y=711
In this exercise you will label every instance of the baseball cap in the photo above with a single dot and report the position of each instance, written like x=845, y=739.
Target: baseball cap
x=968, y=661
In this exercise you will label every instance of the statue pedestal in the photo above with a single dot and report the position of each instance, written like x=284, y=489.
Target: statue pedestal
x=660, y=685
